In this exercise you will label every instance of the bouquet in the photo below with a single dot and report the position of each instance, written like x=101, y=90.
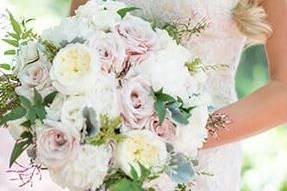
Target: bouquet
x=104, y=101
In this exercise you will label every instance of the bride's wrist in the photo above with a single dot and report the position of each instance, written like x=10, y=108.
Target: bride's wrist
x=216, y=122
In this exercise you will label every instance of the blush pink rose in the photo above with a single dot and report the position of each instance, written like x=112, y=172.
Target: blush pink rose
x=56, y=144
x=111, y=51
x=135, y=102
x=138, y=35
x=166, y=130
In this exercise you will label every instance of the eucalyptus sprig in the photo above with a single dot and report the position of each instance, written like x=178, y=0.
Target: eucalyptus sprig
x=20, y=35
x=165, y=103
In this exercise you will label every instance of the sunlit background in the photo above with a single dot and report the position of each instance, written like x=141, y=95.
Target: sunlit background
x=265, y=156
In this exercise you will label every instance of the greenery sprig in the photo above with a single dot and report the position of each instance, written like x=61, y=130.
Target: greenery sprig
x=108, y=131
x=20, y=35
x=165, y=103
x=119, y=181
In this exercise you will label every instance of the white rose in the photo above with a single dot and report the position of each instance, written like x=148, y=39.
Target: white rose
x=27, y=54
x=73, y=70
x=139, y=37
x=135, y=102
x=15, y=128
x=56, y=144
x=102, y=14
x=67, y=31
x=35, y=76
x=86, y=172
x=191, y=137
x=111, y=51
x=72, y=112
x=141, y=147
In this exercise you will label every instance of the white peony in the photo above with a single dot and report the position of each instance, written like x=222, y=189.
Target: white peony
x=102, y=96
x=86, y=172
x=101, y=14
x=67, y=31
x=111, y=51
x=191, y=137
x=141, y=147
x=73, y=70
x=57, y=144
x=72, y=112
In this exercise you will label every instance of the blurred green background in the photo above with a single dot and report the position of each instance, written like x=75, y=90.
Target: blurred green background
x=265, y=156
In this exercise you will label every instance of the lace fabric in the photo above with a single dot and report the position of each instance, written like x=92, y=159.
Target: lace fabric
x=220, y=44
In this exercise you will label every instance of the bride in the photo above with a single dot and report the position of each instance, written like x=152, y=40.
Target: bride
x=232, y=23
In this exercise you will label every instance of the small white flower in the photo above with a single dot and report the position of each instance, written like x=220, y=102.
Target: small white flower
x=57, y=144
x=141, y=147
x=72, y=112
x=73, y=70
x=86, y=172
x=191, y=137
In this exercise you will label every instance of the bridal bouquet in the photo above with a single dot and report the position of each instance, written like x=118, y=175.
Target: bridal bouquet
x=104, y=101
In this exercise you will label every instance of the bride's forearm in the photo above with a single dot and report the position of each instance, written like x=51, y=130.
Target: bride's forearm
x=267, y=107
x=264, y=109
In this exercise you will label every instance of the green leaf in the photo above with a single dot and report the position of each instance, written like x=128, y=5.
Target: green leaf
x=160, y=110
x=134, y=173
x=15, y=114
x=26, y=103
x=11, y=42
x=50, y=98
x=21, y=145
x=37, y=97
x=14, y=35
x=10, y=52
x=31, y=115
x=145, y=173
x=125, y=185
x=5, y=66
x=40, y=111
x=16, y=26
x=123, y=12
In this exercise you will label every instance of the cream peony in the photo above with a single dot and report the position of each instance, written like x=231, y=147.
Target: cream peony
x=57, y=144
x=73, y=70
x=111, y=51
x=86, y=172
x=141, y=147
x=136, y=103
x=72, y=112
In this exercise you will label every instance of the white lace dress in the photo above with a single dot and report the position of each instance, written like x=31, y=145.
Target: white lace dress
x=222, y=43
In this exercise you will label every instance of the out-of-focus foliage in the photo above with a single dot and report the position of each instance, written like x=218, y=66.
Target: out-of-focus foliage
x=264, y=167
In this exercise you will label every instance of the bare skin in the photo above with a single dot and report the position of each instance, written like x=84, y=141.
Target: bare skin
x=267, y=107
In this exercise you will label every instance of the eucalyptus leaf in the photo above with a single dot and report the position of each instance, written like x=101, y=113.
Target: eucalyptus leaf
x=181, y=169
x=50, y=98
x=179, y=116
x=25, y=102
x=160, y=110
